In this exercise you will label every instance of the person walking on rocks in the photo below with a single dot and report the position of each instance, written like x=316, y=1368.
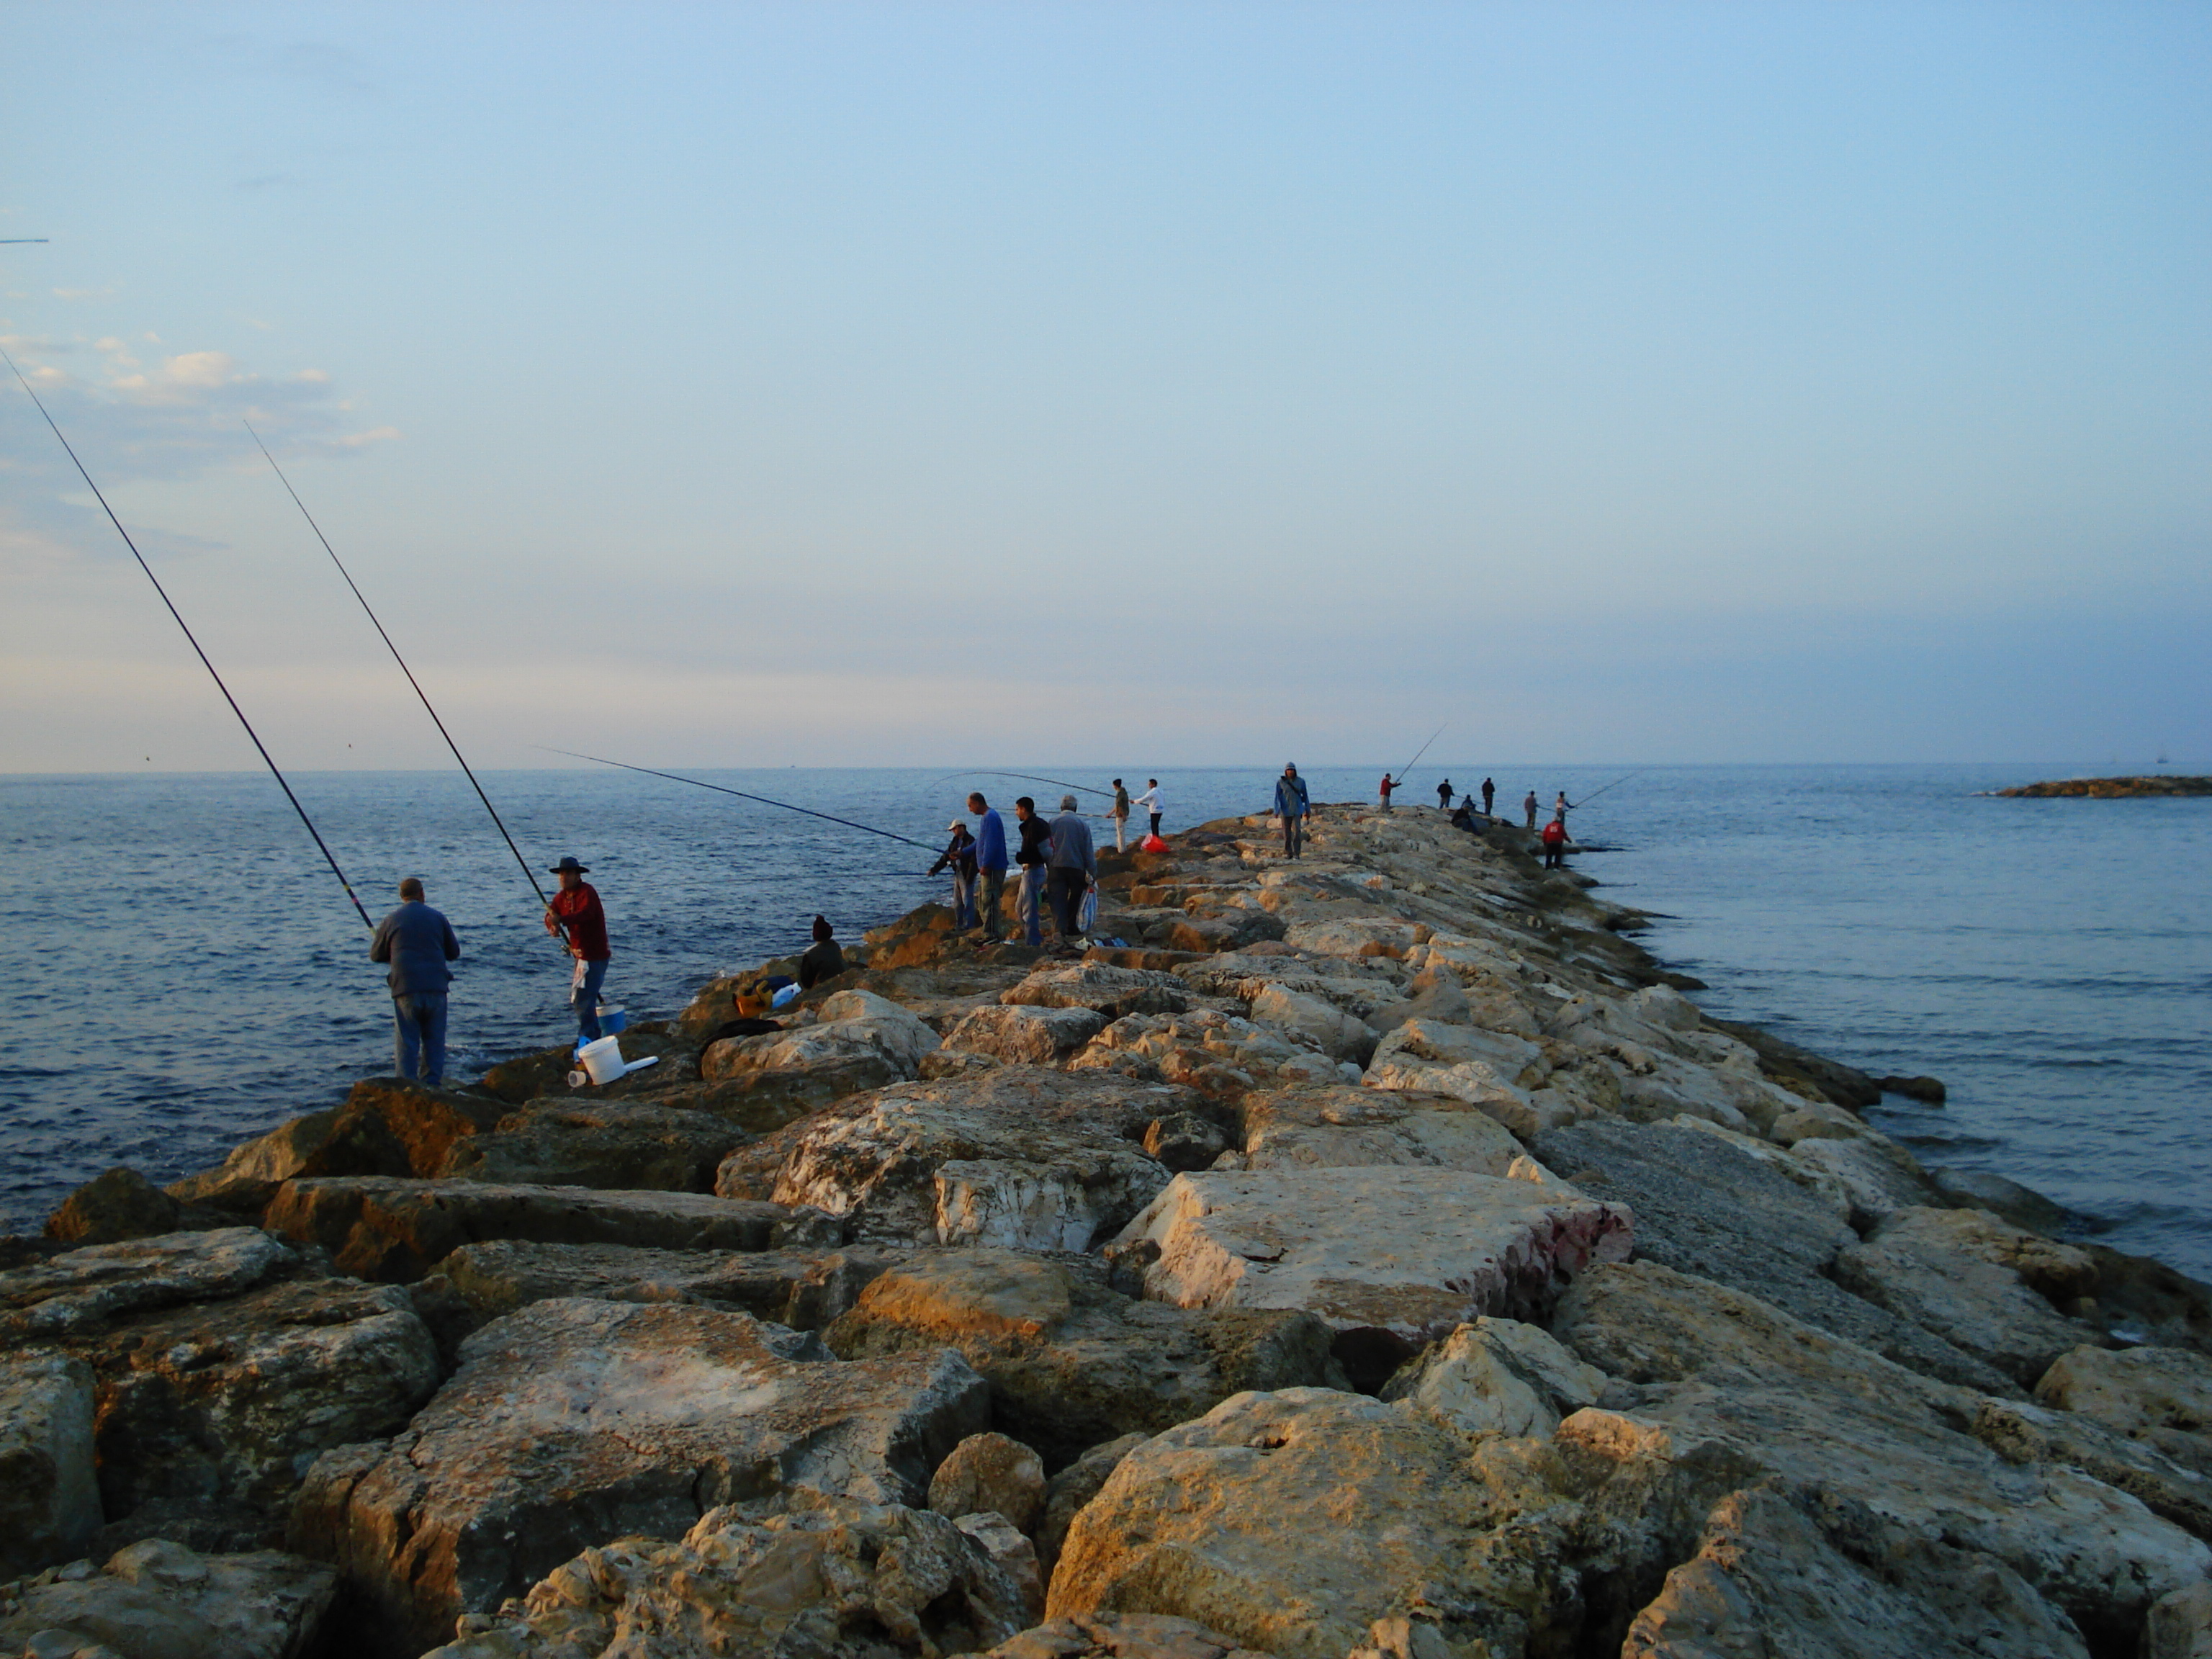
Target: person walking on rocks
x=1036, y=838
x=990, y=866
x=822, y=959
x=1384, y=788
x=1121, y=817
x=1443, y=796
x=1153, y=802
x=960, y=854
x=1074, y=869
x=1489, y=790
x=576, y=912
x=1529, y=806
x=418, y=942
x=1292, y=806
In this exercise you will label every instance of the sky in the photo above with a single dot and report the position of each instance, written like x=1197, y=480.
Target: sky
x=1137, y=384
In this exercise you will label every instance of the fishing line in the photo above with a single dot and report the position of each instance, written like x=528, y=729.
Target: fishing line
x=700, y=783
x=529, y=875
x=1616, y=784
x=1422, y=751
x=1026, y=777
x=201, y=654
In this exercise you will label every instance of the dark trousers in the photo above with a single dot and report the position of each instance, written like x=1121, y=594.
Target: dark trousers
x=1065, y=887
x=1156, y=824
x=1294, y=834
x=989, y=884
x=418, y=1036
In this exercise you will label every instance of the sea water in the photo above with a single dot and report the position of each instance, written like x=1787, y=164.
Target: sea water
x=182, y=970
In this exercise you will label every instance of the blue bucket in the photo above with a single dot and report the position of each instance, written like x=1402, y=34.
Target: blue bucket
x=612, y=1020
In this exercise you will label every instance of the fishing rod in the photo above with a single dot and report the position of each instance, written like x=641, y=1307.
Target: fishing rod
x=529, y=875
x=1422, y=751
x=1027, y=777
x=700, y=783
x=273, y=771
x=1616, y=784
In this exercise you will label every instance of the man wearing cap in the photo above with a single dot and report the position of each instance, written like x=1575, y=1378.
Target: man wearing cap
x=990, y=866
x=418, y=942
x=960, y=855
x=1292, y=806
x=576, y=915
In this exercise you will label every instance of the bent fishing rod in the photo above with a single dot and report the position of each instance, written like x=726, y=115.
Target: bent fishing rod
x=1616, y=784
x=266, y=759
x=1026, y=777
x=1422, y=751
x=700, y=783
x=528, y=874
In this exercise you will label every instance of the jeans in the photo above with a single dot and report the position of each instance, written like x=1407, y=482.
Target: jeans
x=1032, y=888
x=584, y=998
x=993, y=884
x=418, y=1036
x=1067, y=886
x=1294, y=834
x=963, y=902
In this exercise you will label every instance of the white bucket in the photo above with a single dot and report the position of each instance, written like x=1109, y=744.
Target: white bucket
x=603, y=1060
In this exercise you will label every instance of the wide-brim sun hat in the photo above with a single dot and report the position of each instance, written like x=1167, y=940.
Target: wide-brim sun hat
x=568, y=862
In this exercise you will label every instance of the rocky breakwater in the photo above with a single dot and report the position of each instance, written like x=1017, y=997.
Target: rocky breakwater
x=1376, y=1254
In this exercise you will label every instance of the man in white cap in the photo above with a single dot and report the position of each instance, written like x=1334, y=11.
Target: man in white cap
x=576, y=914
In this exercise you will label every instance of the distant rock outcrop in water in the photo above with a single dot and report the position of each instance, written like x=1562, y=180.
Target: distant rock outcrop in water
x=2110, y=788
x=1369, y=1256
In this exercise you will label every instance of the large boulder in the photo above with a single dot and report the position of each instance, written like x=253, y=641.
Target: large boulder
x=1024, y=1036
x=122, y=1204
x=159, y=1600
x=221, y=1363
x=1314, y=1019
x=1709, y=1208
x=1497, y=1376
x=1292, y=1521
x=838, y=1579
x=1972, y=1281
x=1121, y=1636
x=572, y=1422
x=992, y=1474
x=1390, y=1258
x=630, y=1144
x=395, y=1229
x=1756, y=1394
x=49, y=1492
x=1219, y=1054
x=1768, y=1578
x=859, y=1041
x=1105, y=989
x=1019, y=1156
x=1345, y=1126
x=1071, y=1363
x=2160, y=1396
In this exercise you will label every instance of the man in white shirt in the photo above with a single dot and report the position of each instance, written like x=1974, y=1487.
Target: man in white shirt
x=1151, y=801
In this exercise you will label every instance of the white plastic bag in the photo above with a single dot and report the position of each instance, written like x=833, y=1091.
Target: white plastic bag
x=1087, y=912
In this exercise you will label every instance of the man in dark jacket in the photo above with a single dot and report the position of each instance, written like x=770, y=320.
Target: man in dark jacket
x=1037, y=845
x=822, y=959
x=959, y=855
x=418, y=942
x=1292, y=806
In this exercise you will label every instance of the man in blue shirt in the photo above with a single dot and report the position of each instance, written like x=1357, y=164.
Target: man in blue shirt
x=418, y=942
x=990, y=866
x=1292, y=806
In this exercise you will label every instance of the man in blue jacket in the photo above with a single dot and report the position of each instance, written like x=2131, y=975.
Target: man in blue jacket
x=1292, y=806
x=990, y=866
x=418, y=942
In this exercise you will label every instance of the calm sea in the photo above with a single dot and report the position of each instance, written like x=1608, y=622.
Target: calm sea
x=181, y=969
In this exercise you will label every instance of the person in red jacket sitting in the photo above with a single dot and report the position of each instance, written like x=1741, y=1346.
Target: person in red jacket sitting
x=576, y=915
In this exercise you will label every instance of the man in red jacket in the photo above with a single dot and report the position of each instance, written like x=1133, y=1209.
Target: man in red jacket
x=576, y=914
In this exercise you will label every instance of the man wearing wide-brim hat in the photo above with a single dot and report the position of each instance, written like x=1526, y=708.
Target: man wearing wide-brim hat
x=576, y=914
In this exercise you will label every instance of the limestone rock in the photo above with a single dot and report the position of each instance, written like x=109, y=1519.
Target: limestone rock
x=838, y=1580
x=1342, y=1125
x=1963, y=1276
x=2021, y=1433
x=1759, y=1395
x=1706, y=1208
x=161, y=1601
x=1020, y=1156
x=1979, y=1189
x=1121, y=1636
x=2180, y=1624
x=1497, y=1376
x=574, y=1420
x=1765, y=1580
x=598, y=1143
x=1112, y=991
x=1066, y=1492
x=1070, y=1362
x=49, y=1495
x=1328, y=1028
x=81, y=1290
x=990, y=1472
x=386, y=1127
x=1354, y=936
x=2160, y=1396
x=1026, y=1036
x=395, y=1229
x=1390, y=1259
x=1184, y=1140
x=119, y=1204
x=1292, y=1521
x=862, y=1040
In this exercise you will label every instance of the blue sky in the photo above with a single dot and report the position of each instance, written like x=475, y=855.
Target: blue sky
x=1149, y=385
